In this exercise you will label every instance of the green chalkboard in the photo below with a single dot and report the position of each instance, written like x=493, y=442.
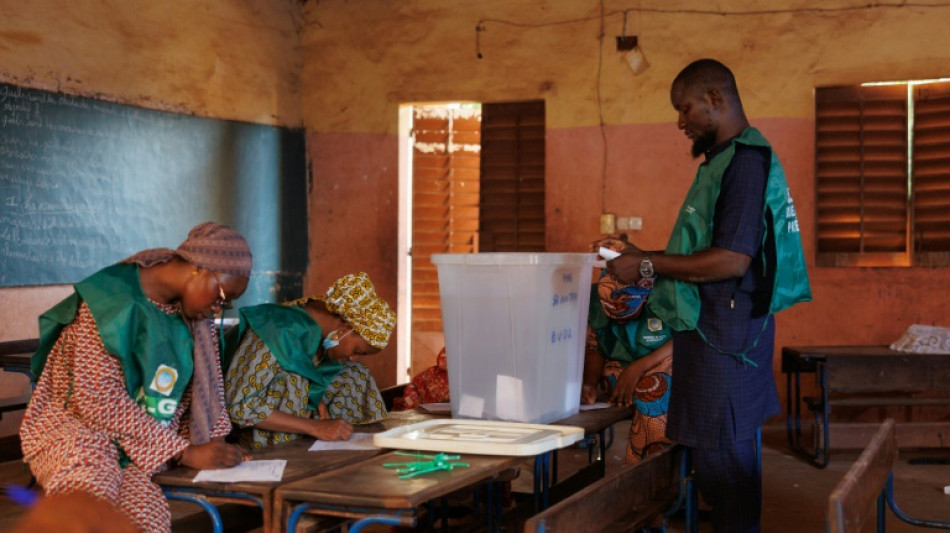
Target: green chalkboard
x=85, y=183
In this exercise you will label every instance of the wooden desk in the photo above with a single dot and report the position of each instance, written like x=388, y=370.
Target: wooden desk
x=869, y=376
x=596, y=423
x=177, y=483
x=370, y=493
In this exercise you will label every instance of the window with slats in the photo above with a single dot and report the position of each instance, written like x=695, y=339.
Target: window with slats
x=931, y=171
x=445, y=211
x=882, y=155
x=512, y=177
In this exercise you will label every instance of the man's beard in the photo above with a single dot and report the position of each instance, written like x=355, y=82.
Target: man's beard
x=703, y=143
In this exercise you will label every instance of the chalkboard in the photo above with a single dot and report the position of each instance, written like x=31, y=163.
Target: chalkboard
x=85, y=183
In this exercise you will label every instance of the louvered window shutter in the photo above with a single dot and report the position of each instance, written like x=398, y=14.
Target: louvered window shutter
x=861, y=178
x=931, y=174
x=512, y=177
x=445, y=200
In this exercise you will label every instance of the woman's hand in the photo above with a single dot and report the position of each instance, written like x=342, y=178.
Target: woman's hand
x=626, y=387
x=213, y=455
x=588, y=394
x=331, y=429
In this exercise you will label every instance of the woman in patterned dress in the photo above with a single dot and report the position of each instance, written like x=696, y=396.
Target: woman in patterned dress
x=293, y=369
x=628, y=360
x=129, y=377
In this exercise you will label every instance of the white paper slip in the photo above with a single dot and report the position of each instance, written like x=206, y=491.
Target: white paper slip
x=607, y=253
x=357, y=441
x=437, y=408
x=595, y=405
x=269, y=470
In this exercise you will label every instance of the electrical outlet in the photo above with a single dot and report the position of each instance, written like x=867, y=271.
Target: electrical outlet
x=608, y=224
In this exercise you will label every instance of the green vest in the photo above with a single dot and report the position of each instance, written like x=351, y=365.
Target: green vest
x=154, y=349
x=292, y=337
x=627, y=342
x=677, y=302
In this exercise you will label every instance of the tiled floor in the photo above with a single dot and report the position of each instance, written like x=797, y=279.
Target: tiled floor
x=795, y=493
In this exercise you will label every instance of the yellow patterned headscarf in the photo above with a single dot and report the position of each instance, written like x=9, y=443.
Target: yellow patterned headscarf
x=354, y=298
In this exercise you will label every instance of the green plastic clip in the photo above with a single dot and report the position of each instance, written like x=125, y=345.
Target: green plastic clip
x=433, y=463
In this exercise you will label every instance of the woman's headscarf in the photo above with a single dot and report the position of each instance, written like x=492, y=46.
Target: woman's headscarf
x=622, y=302
x=210, y=246
x=354, y=299
x=221, y=249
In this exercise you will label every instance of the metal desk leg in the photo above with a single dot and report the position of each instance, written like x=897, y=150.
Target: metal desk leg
x=542, y=481
x=212, y=511
x=889, y=493
x=822, y=453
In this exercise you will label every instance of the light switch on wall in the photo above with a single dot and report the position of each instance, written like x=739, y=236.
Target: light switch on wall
x=629, y=223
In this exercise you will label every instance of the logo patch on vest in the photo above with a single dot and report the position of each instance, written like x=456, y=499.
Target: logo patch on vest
x=164, y=380
x=654, y=324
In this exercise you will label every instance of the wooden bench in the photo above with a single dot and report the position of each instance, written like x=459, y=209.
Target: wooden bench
x=624, y=501
x=864, y=486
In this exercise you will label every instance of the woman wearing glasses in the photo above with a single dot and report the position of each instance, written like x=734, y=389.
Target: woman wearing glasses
x=294, y=369
x=129, y=377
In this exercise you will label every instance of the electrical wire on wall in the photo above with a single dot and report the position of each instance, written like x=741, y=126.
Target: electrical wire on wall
x=481, y=27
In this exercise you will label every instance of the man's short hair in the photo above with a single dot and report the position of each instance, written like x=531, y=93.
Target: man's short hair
x=707, y=74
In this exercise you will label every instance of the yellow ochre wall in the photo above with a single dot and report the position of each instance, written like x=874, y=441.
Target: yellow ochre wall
x=341, y=68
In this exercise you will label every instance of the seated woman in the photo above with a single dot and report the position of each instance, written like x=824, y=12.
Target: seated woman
x=293, y=367
x=129, y=377
x=628, y=360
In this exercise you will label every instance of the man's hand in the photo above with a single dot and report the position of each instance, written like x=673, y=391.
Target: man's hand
x=626, y=268
x=213, y=455
x=612, y=242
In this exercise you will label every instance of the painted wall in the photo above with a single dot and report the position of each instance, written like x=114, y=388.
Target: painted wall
x=229, y=59
x=361, y=60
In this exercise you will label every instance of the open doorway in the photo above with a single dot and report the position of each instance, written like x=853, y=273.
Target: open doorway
x=471, y=179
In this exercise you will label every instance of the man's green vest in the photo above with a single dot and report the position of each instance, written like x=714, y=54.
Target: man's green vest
x=677, y=302
x=153, y=348
x=292, y=337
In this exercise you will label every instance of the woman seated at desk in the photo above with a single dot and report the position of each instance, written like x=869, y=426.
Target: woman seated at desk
x=628, y=360
x=129, y=377
x=286, y=377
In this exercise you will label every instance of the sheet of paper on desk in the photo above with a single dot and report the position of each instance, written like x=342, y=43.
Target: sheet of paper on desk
x=269, y=470
x=595, y=405
x=358, y=441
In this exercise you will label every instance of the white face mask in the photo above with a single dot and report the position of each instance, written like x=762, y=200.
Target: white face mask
x=332, y=340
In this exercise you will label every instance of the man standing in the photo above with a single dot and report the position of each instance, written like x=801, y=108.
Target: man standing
x=734, y=258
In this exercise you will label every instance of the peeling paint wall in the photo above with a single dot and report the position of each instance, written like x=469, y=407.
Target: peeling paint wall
x=228, y=59
x=363, y=58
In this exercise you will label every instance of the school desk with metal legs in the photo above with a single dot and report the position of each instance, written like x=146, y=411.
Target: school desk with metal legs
x=177, y=483
x=597, y=424
x=865, y=376
x=367, y=492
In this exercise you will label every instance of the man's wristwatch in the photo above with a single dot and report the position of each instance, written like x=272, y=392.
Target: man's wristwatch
x=646, y=267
